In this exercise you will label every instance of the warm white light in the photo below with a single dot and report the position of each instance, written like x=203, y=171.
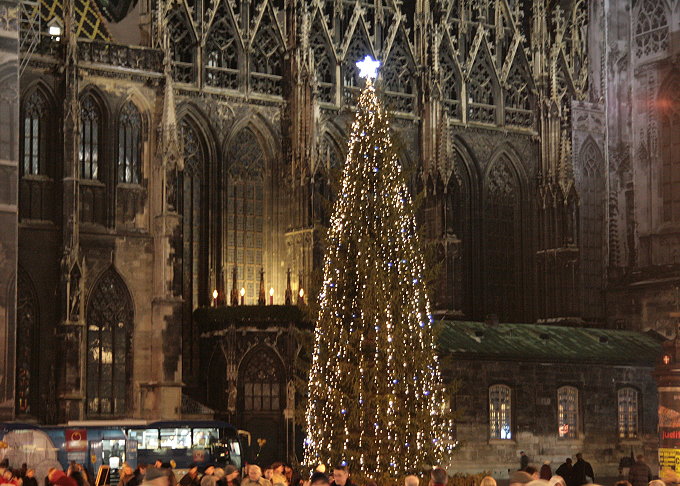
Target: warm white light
x=243, y=291
x=368, y=68
x=302, y=293
x=271, y=292
x=215, y=294
x=54, y=30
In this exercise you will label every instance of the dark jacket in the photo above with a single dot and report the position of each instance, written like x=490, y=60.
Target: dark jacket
x=546, y=472
x=188, y=480
x=566, y=471
x=523, y=462
x=581, y=470
x=639, y=474
x=30, y=482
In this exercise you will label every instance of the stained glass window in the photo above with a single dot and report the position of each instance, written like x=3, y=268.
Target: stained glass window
x=262, y=382
x=34, y=134
x=129, y=145
x=90, y=124
x=109, y=331
x=567, y=412
x=628, y=413
x=500, y=412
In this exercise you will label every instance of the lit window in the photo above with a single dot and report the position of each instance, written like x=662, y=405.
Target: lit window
x=628, y=413
x=90, y=122
x=500, y=419
x=34, y=134
x=129, y=145
x=567, y=412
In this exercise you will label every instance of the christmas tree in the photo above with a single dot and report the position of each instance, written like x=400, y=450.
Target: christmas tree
x=375, y=397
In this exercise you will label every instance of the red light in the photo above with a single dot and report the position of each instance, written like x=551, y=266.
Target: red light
x=666, y=359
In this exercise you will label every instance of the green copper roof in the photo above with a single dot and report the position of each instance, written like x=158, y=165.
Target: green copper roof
x=548, y=343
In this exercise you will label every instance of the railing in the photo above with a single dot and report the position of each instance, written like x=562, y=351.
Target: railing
x=219, y=77
x=266, y=84
x=478, y=112
x=137, y=58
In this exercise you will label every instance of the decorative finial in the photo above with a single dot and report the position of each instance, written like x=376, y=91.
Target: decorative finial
x=368, y=68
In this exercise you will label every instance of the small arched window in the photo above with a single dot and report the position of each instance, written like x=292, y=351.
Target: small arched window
x=567, y=412
x=628, y=413
x=129, y=144
x=34, y=134
x=90, y=125
x=262, y=381
x=500, y=412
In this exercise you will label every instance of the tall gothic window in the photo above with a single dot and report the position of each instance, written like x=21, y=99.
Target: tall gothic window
x=567, y=412
x=183, y=45
x=359, y=47
x=109, y=334
x=670, y=151
x=262, y=381
x=129, y=145
x=449, y=81
x=90, y=126
x=481, y=90
x=398, y=74
x=221, y=51
x=245, y=211
x=28, y=330
x=628, y=413
x=517, y=98
x=651, y=30
x=592, y=216
x=324, y=62
x=266, y=56
x=35, y=128
x=500, y=409
x=503, y=242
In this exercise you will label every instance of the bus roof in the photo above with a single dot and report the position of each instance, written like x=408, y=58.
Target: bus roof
x=160, y=424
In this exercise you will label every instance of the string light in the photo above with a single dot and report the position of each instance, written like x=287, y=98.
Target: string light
x=375, y=390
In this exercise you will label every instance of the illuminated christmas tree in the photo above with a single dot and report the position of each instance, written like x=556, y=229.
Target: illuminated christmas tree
x=376, y=401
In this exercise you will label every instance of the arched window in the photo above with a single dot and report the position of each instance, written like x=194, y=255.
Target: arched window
x=109, y=335
x=183, y=45
x=359, y=47
x=669, y=101
x=266, y=56
x=500, y=412
x=651, y=30
x=34, y=134
x=222, y=51
x=567, y=412
x=481, y=91
x=503, y=242
x=628, y=413
x=245, y=210
x=448, y=77
x=262, y=382
x=324, y=62
x=129, y=144
x=517, y=98
x=90, y=126
x=28, y=330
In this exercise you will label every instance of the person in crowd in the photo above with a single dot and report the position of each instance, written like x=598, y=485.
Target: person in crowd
x=532, y=471
x=158, y=464
x=209, y=478
x=231, y=475
x=439, y=477
x=657, y=482
x=126, y=475
x=411, y=481
x=520, y=478
x=487, y=481
x=255, y=477
x=138, y=475
x=268, y=473
x=319, y=479
x=639, y=474
x=156, y=476
x=582, y=471
x=546, y=471
x=341, y=475
x=279, y=479
x=59, y=478
x=191, y=477
x=523, y=461
x=566, y=471
x=8, y=478
x=220, y=474
x=29, y=478
x=556, y=480
x=278, y=468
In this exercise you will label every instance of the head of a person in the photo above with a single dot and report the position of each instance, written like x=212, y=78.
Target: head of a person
x=340, y=474
x=268, y=473
x=219, y=473
x=55, y=474
x=8, y=474
x=411, y=481
x=319, y=479
x=288, y=472
x=557, y=481
x=439, y=476
x=579, y=456
x=230, y=472
x=30, y=473
x=568, y=461
x=254, y=472
x=532, y=471
x=209, y=470
x=487, y=481
x=521, y=453
x=657, y=482
x=520, y=478
x=279, y=479
x=127, y=470
x=158, y=464
x=142, y=468
x=277, y=468
x=193, y=470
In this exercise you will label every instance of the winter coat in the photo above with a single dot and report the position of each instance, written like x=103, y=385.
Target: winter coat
x=639, y=474
x=581, y=472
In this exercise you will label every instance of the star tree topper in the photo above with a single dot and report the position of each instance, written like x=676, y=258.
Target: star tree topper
x=368, y=68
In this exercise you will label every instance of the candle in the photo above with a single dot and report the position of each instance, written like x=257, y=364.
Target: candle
x=214, y=296
x=271, y=296
x=243, y=295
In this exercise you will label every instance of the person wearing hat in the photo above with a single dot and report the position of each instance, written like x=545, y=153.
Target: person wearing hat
x=155, y=476
x=191, y=477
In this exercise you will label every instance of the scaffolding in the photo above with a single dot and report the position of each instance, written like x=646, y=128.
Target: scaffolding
x=29, y=31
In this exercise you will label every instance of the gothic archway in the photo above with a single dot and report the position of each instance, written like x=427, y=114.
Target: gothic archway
x=110, y=322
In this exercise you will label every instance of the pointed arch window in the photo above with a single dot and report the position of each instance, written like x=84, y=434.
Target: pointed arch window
x=222, y=51
x=670, y=151
x=500, y=412
x=262, y=382
x=245, y=210
x=183, y=45
x=651, y=30
x=503, y=242
x=109, y=334
x=359, y=47
x=129, y=145
x=324, y=63
x=628, y=413
x=34, y=134
x=266, y=57
x=567, y=412
x=90, y=126
x=481, y=93
x=398, y=75
x=517, y=99
x=448, y=79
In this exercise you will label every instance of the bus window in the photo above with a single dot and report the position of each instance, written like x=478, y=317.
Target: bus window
x=204, y=437
x=176, y=438
x=147, y=439
x=235, y=446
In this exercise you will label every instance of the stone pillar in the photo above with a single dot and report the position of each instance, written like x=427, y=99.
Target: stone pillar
x=9, y=155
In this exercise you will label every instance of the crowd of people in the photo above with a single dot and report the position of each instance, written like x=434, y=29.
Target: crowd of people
x=570, y=473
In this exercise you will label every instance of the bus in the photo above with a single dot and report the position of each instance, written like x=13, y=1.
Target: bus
x=112, y=443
